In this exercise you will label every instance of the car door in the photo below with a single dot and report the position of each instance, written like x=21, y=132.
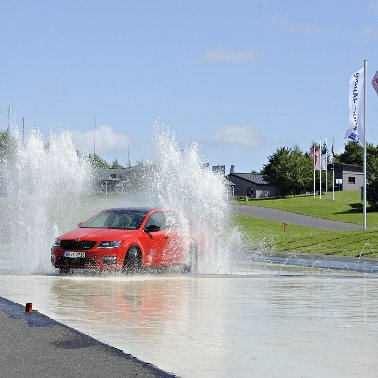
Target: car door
x=174, y=250
x=154, y=242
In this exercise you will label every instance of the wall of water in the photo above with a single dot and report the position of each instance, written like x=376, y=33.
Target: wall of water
x=45, y=185
x=180, y=180
x=48, y=190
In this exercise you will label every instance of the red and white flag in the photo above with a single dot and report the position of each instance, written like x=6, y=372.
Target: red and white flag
x=375, y=82
x=315, y=154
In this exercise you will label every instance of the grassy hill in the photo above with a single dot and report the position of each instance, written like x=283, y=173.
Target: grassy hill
x=346, y=207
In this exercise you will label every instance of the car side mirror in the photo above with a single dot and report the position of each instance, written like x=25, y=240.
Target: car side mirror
x=80, y=224
x=152, y=228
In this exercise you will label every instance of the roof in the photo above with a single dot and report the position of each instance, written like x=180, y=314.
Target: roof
x=341, y=167
x=253, y=177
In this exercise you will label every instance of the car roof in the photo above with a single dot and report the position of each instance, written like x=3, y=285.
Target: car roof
x=136, y=208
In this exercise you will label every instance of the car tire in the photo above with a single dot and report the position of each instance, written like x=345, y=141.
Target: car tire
x=133, y=260
x=64, y=270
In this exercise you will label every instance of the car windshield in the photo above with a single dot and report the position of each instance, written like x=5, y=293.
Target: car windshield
x=124, y=219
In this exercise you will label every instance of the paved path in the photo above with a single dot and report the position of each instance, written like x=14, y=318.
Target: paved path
x=292, y=218
x=33, y=345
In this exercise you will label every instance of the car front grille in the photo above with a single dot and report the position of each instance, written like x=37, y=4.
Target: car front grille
x=80, y=261
x=73, y=245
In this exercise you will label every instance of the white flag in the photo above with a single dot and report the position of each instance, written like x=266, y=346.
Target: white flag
x=375, y=82
x=355, y=131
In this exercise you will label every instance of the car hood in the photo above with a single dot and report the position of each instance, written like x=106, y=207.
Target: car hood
x=99, y=234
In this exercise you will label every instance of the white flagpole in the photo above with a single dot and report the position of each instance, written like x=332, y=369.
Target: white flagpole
x=320, y=169
x=333, y=170
x=333, y=180
x=326, y=168
x=314, y=163
x=365, y=101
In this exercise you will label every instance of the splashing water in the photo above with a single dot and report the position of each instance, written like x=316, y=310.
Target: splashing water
x=48, y=190
x=44, y=185
x=181, y=181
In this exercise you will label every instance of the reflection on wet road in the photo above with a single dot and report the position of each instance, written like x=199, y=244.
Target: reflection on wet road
x=252, y=323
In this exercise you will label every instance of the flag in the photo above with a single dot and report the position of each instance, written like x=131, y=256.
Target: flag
x=319, y=158
x=332, y=151
x=324, y=161
x=375, y=82
x=315, y=154
x=355, y=131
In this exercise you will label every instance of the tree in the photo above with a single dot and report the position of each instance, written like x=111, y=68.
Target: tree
x=289, y=169
x=372, y=176
x=301, y=170
x=354, y=153
x=275, y=172
x=97, y=161
x=372, y=182
x=7, y=145
x=116, y=165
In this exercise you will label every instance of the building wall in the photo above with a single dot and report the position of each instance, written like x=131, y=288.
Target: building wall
x=352, y=177
x=250, y=189
x=352, y=180
x=266, y=191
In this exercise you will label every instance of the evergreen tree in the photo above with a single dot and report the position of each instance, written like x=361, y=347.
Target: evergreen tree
x=7, y=145
x=115, y=164
x=97, y=161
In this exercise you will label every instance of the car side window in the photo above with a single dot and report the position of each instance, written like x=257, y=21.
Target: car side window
x=156, y=219
x=171, y=220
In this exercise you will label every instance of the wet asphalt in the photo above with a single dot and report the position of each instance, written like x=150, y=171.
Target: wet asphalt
x=291, y=218
x=33, y=345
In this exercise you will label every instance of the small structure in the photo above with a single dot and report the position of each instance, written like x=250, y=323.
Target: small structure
x=219, y=169
x=115, y=179
x=347, y=176
x=251, y=185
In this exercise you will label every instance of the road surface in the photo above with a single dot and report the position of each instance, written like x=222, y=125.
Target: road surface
x=292, y=218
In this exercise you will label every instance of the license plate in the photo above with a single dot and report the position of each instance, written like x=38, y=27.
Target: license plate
x=74, y=254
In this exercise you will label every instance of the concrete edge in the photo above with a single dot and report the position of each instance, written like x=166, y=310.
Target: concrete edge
x=36, y=319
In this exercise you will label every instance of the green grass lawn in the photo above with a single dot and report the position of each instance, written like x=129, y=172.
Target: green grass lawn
x=270, y=235
x=346, y=207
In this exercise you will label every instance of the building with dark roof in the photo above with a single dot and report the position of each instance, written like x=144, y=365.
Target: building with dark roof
x=252, y=185
x=347, y=176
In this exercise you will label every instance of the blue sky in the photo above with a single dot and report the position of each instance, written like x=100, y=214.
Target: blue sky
x=240, y=78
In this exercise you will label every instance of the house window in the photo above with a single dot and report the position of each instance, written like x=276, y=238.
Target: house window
x=351, y=180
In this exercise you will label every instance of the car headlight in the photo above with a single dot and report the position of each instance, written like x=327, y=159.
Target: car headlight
x=109, y=244
x=56, y=243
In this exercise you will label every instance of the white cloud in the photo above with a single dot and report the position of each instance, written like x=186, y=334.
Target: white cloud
x=227, y=56
x=106, y=139
x=244, y=136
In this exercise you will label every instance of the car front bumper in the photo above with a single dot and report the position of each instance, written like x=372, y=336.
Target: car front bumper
x=104, y=259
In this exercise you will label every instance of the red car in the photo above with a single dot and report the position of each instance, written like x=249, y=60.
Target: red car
x=125, y=239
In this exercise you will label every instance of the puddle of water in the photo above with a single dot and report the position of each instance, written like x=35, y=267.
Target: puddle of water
x=255, y=324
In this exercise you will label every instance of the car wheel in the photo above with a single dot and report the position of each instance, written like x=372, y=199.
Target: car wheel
x=64, y=270
x=133, y=260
